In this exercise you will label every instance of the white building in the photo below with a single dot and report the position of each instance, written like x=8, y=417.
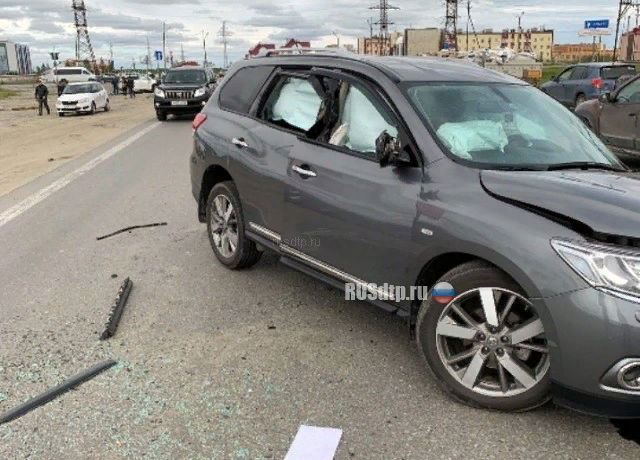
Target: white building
x=15, y=59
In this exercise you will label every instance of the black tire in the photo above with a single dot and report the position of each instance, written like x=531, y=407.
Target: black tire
x=162, y=116
x=106, y=106
x=93, y=108
x=580, y=98
x=463, y=278
x=60, y=114
x=246, y=253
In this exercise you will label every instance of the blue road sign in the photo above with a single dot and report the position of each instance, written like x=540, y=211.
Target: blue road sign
x=598, y=24
x=158, y=55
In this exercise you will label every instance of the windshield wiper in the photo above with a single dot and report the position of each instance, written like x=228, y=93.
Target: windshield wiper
x=584, y=165
x=516, y=168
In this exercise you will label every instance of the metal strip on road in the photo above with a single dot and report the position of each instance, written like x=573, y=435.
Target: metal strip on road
x=44, y=193
x=314, y=443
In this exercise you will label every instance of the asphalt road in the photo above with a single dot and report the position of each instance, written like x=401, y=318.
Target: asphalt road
x=215, y=364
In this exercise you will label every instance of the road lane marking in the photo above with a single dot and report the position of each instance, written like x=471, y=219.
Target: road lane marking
x=314, y=443
x=39, y=196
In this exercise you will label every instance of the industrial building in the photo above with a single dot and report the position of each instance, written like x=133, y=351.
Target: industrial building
x=418, y=42
x=15, y=59
x=536, y=41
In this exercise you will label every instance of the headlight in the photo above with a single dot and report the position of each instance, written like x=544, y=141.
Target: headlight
x=200, y=92
x=84, y=100
x=158, y=92
x=604, y=267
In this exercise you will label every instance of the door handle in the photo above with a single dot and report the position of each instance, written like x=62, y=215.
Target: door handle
x=239, y=142
x=304, y=172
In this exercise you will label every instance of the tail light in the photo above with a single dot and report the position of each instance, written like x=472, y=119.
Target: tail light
x=596, y=83
x=197, y=121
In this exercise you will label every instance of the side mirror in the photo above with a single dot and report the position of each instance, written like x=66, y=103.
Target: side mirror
x=606, y=97
x=389, y=150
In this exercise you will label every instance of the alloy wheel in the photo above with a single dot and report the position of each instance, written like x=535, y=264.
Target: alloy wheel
x=224, y=226
x=492, y=342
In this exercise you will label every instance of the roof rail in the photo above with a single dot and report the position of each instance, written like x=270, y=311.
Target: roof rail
x=303, y=51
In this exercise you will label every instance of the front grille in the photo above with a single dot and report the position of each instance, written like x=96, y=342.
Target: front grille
x=69, y=102
x=180, y=94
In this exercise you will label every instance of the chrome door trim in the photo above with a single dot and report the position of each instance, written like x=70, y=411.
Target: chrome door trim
x=303, y=172
x=272, y=236
x=318, y=264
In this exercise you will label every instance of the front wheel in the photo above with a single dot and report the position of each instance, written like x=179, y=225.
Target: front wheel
x=483, y=340
x=225, y=226
x=162, y=116
x=93, y=108
x=106, y=106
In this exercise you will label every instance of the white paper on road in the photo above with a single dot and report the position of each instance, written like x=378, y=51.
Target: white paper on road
x=314, y=443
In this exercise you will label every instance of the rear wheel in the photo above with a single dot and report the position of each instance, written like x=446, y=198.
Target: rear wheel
x=106, y=106
x=487, y=345
x=162, y=116
x=225, y=226
x=580, y=98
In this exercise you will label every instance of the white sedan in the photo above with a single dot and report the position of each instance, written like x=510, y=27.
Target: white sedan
x=144, y=83
x=82, y=98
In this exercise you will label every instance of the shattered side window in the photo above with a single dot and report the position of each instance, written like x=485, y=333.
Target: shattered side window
x=361, y=122
x=293, y=104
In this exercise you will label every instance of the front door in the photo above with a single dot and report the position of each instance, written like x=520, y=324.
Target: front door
x=344, y=214
x=619, y=124
x=556, y=88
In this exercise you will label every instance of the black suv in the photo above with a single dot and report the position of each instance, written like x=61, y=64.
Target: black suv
x=385, y=175
x=183, y=91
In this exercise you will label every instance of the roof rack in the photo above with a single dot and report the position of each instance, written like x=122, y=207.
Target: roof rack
x=304, y=51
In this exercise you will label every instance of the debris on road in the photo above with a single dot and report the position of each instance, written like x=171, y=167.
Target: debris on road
x=54, y=392
x=117, y=309
x=159, y=224
x=315, y=443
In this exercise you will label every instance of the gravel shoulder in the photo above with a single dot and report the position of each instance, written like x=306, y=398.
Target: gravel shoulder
x=32, y=146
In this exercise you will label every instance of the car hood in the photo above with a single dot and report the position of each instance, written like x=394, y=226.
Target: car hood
x=181, y=86
x=606, y=201
x=75, y=97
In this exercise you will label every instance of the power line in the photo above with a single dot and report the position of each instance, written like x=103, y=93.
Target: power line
x=384, y=24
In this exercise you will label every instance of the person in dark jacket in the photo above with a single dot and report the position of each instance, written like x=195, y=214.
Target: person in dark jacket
x=114, y=82
x=130, y=86
x=62, y=84
x=42, y=92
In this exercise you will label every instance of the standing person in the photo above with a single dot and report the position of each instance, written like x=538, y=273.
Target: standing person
x=123, y=81
x=42, y=92
x=114, y=82
x=62, y=84
x=130, y=85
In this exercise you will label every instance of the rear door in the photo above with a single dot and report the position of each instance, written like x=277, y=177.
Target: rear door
x=574, y=85
x=344, y=214
x=619, y=124
x=257, y=165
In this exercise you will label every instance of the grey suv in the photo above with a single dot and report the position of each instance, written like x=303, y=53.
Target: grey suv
x=425, y=172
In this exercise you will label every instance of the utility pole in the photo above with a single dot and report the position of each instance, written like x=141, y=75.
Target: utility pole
x=204, y=45
x=468, y=19
x=384, y=24
x=112, y=64
x=164, y=45
x=182, y=53
x=84, y=49
x=370, y=23
x=623, y=7
x=225, y=33
x=148, y=54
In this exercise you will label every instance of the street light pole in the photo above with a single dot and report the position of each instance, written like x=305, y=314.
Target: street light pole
x=204, y=45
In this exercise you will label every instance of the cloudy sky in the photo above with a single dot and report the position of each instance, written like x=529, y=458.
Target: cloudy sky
x=127, y=24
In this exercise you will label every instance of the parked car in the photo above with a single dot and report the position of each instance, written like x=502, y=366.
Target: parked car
x=183, y=91
x=144, y=83
x=73, y=74
x=83, y=98
x=406, y=172
x=614, y=117
x=582, y=82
